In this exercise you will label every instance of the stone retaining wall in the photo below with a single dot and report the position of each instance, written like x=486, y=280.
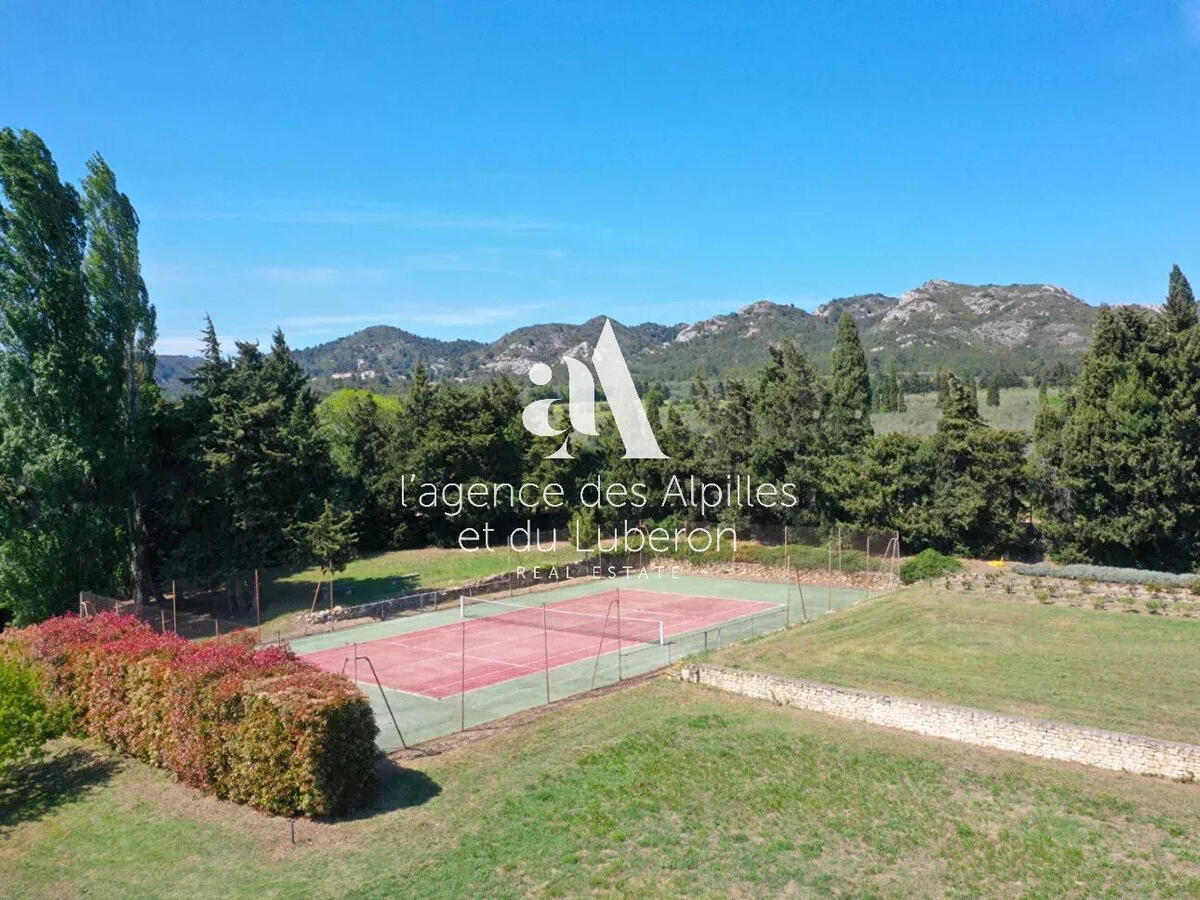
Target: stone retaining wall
x=1048, y=740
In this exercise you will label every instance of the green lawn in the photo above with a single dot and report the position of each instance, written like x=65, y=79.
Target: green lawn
x=664, y=789
x=290, y=590
x=801, y=556
x=1017, y=409
x=1127, y=672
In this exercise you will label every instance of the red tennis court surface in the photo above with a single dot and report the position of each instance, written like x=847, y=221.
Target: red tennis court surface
x=516, y=641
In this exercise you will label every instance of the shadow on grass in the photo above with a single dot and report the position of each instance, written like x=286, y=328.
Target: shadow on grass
x=38, y=787
x=399, y=788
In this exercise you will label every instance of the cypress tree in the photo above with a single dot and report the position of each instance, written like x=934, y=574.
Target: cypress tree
x=848, y=416
x=1113, y=465
x=960, y=410
x=1181, y=302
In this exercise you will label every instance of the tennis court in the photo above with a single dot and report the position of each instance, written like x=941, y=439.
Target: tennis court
x=447, y=669
x=498, y=641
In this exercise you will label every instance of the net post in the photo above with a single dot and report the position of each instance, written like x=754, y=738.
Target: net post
x=462, y=607
x=546, y=648
x=787, y=601
x=355, y=648
x=620, y=676
x=662, y=638
x=382, y=694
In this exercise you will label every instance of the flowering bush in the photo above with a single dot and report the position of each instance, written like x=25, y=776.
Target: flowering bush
x=255, y=726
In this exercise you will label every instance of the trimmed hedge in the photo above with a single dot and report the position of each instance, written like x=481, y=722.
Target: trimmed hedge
x=928, y=564
x=1113, y=574
x=259, y=727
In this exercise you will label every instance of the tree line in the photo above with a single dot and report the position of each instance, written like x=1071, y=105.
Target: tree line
x=108, y=486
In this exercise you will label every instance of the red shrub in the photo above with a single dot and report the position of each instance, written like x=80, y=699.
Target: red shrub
x=256, y=726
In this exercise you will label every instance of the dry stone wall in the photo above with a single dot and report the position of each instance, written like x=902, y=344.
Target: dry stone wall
x=1048, y=740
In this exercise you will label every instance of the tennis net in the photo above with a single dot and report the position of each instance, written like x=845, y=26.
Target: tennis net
x=548, y=617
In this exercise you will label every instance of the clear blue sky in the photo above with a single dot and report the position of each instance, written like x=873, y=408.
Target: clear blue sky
x=461, y=169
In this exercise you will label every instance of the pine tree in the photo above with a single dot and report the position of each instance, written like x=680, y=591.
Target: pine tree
x=329, y=540
x=261, y=463
x=1181, y=302
x=848, y=414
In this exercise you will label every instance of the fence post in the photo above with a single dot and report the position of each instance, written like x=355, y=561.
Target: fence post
x=174, y=613
x=462, y=684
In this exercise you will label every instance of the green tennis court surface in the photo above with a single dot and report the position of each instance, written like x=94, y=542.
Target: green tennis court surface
x=417, y=659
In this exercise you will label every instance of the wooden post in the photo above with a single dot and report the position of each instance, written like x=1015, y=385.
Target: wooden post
x=174, y=610
x=258, y=603
x=317, y=592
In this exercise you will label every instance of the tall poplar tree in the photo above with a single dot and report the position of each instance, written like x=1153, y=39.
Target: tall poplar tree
x=57, y=535
x=125, y=330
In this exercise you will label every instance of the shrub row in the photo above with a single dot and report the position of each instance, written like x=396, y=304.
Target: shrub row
x=259, y=727
x=1106, y=573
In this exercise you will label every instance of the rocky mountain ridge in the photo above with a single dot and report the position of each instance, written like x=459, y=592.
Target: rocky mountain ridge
x=939, y=323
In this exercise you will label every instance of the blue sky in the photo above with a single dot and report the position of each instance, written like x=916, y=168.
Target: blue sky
x=462, y=169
